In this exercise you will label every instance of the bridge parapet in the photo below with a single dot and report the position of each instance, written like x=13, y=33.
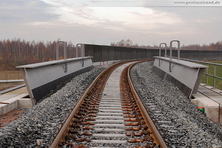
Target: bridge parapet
x=41, y=78
x=186, y=75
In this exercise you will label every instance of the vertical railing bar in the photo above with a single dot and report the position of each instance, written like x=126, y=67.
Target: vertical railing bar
x=77, y=50
x=57, y=49
x=207, y=77
x=160, y=48
x=219, y=115
x=82, y=50
x=178, y=54
x=214, y=76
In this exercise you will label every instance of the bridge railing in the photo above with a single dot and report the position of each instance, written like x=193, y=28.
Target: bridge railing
x=213, y=72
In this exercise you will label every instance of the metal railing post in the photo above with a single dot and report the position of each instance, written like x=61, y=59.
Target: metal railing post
x=178, y=54
x=171, y=48
x=207, y=76
x=77, y=49
x=160, y=50
x=215, y=76
x=82, y=50
x=219, y=114
x=57, y=49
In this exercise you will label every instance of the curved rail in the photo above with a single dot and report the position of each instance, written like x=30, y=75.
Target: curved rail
x=135, y=120
x=61, y=136
x=152, y=128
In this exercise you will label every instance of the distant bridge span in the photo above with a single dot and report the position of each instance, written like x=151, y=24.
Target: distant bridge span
x=109, y=53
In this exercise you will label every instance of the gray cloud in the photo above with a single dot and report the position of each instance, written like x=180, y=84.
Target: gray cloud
x=195, y=24
x=199, y=24
x=25, y=11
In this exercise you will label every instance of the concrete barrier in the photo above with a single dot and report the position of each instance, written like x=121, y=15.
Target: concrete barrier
x=41, y=78
x=186, y=75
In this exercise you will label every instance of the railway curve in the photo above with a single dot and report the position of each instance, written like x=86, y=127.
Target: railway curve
x=109, y=114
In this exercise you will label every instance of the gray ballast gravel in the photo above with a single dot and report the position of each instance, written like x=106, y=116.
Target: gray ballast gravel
x=178, y=120
x=38, y=126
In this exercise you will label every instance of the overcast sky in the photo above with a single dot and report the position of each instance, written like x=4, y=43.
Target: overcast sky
x=146, y=22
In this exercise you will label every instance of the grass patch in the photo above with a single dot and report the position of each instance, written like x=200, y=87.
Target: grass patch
x=218, y=83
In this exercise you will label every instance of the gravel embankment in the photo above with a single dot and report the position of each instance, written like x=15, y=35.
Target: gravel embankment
x=39, y=124
x=179, y=121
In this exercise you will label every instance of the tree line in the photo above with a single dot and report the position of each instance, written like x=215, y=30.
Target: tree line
x=20, y=52
x=16, y=52
x=211, y=46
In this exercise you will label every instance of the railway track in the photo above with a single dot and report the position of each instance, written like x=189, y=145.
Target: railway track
x=110, y=114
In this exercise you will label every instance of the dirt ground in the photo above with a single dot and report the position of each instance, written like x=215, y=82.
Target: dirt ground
x=14, y=114
x=10, y=116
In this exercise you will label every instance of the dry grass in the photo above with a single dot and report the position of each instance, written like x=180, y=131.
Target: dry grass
x=10, y=75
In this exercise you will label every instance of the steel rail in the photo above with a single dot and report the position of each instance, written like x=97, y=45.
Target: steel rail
x=60, y=136
x=152, y=128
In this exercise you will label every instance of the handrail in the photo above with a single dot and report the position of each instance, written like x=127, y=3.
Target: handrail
x=161, y=48
x=178, y=55
x=214, y=75
x=57, y=49
x=217, y=64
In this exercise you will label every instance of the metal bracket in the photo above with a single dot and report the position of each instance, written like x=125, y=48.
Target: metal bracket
x=82, y=62
x=65, y=68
